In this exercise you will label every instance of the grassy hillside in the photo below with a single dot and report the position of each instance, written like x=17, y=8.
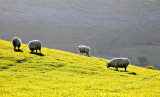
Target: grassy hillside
x=60, y=73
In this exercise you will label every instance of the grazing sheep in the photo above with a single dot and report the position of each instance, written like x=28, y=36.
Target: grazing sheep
x=35, y=45
x=84, y=49
x=16, y=42
x=119, y=62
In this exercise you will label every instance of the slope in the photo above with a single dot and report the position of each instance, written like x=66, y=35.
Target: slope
x=60, y=73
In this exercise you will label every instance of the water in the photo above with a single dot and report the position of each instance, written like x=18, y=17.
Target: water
x=81, y=13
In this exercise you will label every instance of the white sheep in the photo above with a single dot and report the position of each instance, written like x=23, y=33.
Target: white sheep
x=16, y=42
x=35, y=45
x=119, y=62
x=84, y=49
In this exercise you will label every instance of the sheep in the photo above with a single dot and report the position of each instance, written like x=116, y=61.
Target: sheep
x=35, y=45
x=119, y=62
x=84, y=49
x=16, y=42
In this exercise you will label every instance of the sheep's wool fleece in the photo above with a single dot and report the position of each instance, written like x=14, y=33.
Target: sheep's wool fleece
x=119, y=61
x=36, y=44
x=16, y=40
x=83, y=46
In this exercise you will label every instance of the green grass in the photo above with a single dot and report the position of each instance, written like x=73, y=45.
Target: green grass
x=59, y=73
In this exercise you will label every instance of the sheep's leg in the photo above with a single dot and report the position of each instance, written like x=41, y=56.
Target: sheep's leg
x=36, y=51
x=18, y=46
x=125, y=68
x=117, y=68
x=14, y=44
x=40, y=51
x=88, y=54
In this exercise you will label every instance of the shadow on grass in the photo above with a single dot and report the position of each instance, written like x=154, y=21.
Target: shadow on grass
x=16, y=50
x=39, y=54
x=132, y=73
x=21, y=60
